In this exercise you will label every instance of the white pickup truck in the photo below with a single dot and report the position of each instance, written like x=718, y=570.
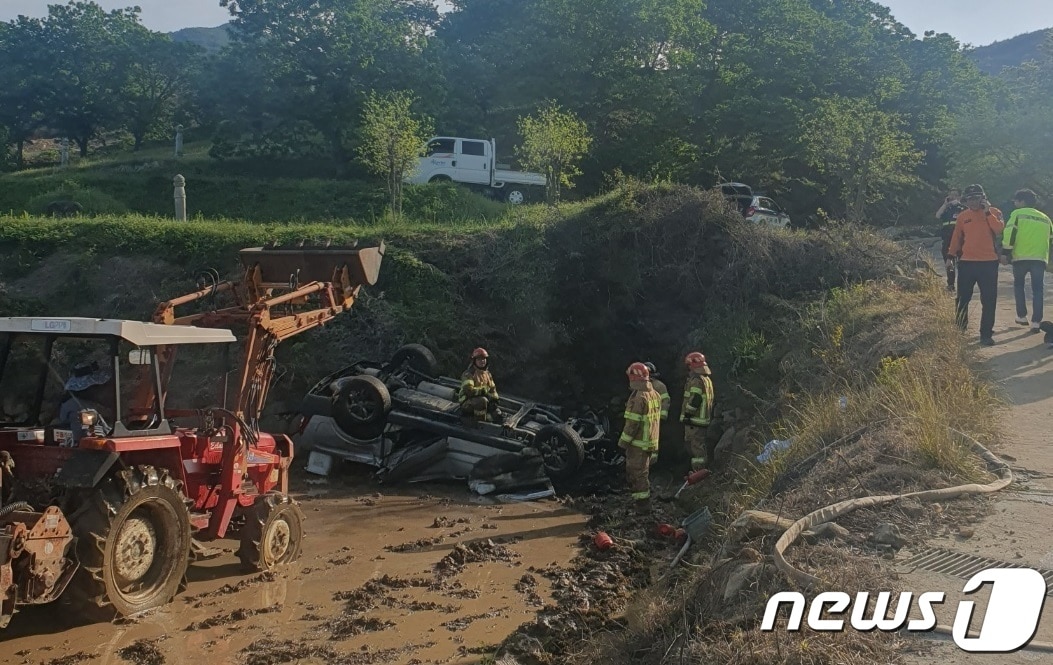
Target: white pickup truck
x=473, y=163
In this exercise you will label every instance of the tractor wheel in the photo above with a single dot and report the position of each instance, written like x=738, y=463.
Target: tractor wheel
x=418, y=357
x=562, y=449
x=133, y=540
x=361, y=406
x=273, y=533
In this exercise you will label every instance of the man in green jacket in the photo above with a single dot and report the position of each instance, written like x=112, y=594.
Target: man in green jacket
x=1026, y=243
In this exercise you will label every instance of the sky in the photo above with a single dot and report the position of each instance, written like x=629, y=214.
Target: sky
x=975, y=22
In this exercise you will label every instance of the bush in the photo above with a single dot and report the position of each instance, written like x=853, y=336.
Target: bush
x=91, y=201
x=447, y=202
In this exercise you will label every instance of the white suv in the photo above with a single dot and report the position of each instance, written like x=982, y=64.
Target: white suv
x=762, y=210
x=756, y=209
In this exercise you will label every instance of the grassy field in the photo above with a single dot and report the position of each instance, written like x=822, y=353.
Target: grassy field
x=141, y=183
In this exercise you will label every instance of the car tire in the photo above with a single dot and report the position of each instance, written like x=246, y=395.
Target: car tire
x=361, y=406
x=419, y=357
x=562, y=449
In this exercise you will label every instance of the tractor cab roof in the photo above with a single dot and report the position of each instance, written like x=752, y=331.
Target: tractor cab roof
x=136, y=332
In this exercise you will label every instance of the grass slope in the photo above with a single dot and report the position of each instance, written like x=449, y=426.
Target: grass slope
x=238, y=189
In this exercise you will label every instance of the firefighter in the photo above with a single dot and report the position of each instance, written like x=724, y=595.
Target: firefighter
x=659, y=388
x=643, y=413
x=697, y=412
x=478, y=393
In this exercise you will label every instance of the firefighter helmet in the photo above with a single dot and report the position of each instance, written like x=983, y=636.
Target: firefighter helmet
x=480, y=353
x=652, y=370
x=974, y=190
x=638, y=372
x=695, y=360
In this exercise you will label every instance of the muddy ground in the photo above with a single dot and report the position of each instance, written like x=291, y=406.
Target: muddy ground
x=413, y=574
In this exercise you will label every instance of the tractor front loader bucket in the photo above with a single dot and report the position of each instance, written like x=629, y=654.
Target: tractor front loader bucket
x=38, y=557
x=304, y=264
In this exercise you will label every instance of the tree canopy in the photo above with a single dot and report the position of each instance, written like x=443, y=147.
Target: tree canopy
x=690, y=90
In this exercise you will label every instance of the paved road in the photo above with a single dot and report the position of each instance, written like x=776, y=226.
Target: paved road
x=1021, y=528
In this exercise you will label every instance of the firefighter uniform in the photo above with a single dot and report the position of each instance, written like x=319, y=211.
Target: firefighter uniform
x=478, y=392
x=697, y=411
x=639, y=438
x=663, y=393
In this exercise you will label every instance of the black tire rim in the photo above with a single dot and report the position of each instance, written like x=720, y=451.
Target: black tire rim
x=362, y=407
x=555, y=453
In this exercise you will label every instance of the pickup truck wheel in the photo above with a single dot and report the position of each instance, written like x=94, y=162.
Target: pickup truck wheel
x=418, y=357
x=562, y=450
x=361, y=406
x=516, y=195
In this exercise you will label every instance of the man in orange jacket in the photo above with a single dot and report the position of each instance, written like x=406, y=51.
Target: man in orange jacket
x=975, y=242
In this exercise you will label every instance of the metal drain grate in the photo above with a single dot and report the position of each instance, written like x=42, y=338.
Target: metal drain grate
x=961, y=565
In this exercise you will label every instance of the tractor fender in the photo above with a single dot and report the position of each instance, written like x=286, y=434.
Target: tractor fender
x=85, y=469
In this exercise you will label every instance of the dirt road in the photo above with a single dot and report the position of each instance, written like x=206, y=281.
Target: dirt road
x=1019, y=529
x=382, y=580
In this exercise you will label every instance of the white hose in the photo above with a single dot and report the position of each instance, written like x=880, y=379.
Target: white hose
x=806, y=580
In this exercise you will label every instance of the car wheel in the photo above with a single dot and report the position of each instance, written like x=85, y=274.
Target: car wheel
x=562, y=450
x=516, y=195
x=418, y=357
x=361, y=406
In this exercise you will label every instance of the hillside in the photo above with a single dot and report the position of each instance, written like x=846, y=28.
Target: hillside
x=211, y=39
x=1010, y=52
x=797, y=323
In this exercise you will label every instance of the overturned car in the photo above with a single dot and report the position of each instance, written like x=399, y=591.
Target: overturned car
x=403, y=419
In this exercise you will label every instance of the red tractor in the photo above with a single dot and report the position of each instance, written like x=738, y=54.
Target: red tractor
x=105, y=503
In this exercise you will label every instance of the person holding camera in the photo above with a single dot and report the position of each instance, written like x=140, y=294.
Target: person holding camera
x=948, y=214
x=975, y=244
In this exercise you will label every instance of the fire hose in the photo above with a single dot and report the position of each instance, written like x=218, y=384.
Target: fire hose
x=806, y=580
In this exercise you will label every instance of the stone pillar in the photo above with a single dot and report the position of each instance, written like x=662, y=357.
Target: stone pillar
x=64, y=152
x=178, y=141
x=180, y=198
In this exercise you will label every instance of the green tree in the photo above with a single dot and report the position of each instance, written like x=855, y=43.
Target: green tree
x=392, y=140
x=1009, y=145
x=863, y=149
x=89, y=51
x=24, y=85
x=554, y=143
x=158, y=78
x=314, y=62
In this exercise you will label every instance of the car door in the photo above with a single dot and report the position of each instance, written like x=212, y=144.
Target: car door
x=781, y=214
x=766, y=213
x=473, y=162
x=438, y=160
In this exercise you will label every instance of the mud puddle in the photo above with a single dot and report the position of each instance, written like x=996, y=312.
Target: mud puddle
x=399, y=577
